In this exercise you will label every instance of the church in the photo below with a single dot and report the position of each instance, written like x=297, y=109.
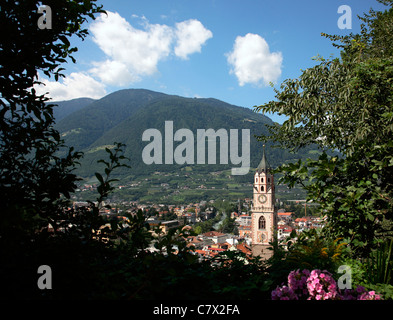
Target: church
x=263, y=211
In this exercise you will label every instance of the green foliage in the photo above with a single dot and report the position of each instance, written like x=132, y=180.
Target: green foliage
x=309, y=250
x=34, y=180
x=379, y=264
x=228, y=226
x=374, y=272
x=205, y=226
x=386, y=290
x=105, y=186
x=345, y=104
x=236, y=276
x=348, y=192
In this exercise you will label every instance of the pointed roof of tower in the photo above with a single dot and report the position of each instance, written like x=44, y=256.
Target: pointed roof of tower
x=263, y=165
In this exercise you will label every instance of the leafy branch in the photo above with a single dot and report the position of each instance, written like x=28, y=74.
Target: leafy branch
x=105, y=187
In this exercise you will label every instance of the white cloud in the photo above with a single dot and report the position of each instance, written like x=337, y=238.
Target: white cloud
x=133, y=53
x=113, y=72
x=252, y=62
x=191, y=35
x=76, y=85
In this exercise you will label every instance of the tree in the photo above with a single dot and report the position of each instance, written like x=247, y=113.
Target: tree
x=228, y=226
x=33, y=176
x=345, y=104
x=35, y=182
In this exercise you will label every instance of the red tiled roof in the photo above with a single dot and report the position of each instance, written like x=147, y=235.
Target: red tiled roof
x=243, y=248
x=216, y=249
x=302, y=219
x=213, y=234
x=284, y=213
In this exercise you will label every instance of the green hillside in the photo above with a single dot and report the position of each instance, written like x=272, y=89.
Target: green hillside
x=83, y=127
x=123, y=116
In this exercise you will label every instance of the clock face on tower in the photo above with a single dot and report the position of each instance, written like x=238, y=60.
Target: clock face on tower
x=262, y=198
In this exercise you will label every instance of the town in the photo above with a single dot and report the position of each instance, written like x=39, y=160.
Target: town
x=248, y=225
x=217, y=226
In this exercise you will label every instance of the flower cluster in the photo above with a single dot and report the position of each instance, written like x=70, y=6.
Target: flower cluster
x=284, y=293
x=321, y=285
x=360, y=293
x=318, y=285
x=297, y=281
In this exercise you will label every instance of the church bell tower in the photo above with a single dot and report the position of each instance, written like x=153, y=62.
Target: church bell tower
x=263, y=212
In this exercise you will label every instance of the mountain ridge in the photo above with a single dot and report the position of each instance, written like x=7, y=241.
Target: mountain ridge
x=124, y=115
x=67, y=107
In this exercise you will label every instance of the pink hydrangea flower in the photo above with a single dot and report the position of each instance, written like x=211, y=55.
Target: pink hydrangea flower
x=370, y=296
x=283, y=293
x=360, y=293
x=318, y=285
x=321, y=285
x=297, y=281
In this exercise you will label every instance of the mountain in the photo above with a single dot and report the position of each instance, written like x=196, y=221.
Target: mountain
x=125, y=115
x=83, y=127
x=65, y=108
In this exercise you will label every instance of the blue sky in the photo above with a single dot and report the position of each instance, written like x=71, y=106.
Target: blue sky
x=225, y=49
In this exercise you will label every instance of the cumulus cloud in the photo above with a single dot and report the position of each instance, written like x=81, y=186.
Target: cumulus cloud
x=252, y=62
x=76, y=85
x=133, y=53
x=114, y=72
x=191, y=35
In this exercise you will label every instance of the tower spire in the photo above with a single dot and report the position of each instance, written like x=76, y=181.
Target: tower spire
x=263, y=165
x=263, y=212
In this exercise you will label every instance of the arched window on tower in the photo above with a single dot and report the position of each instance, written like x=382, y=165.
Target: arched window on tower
x=262, y=223
x=262, y=188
